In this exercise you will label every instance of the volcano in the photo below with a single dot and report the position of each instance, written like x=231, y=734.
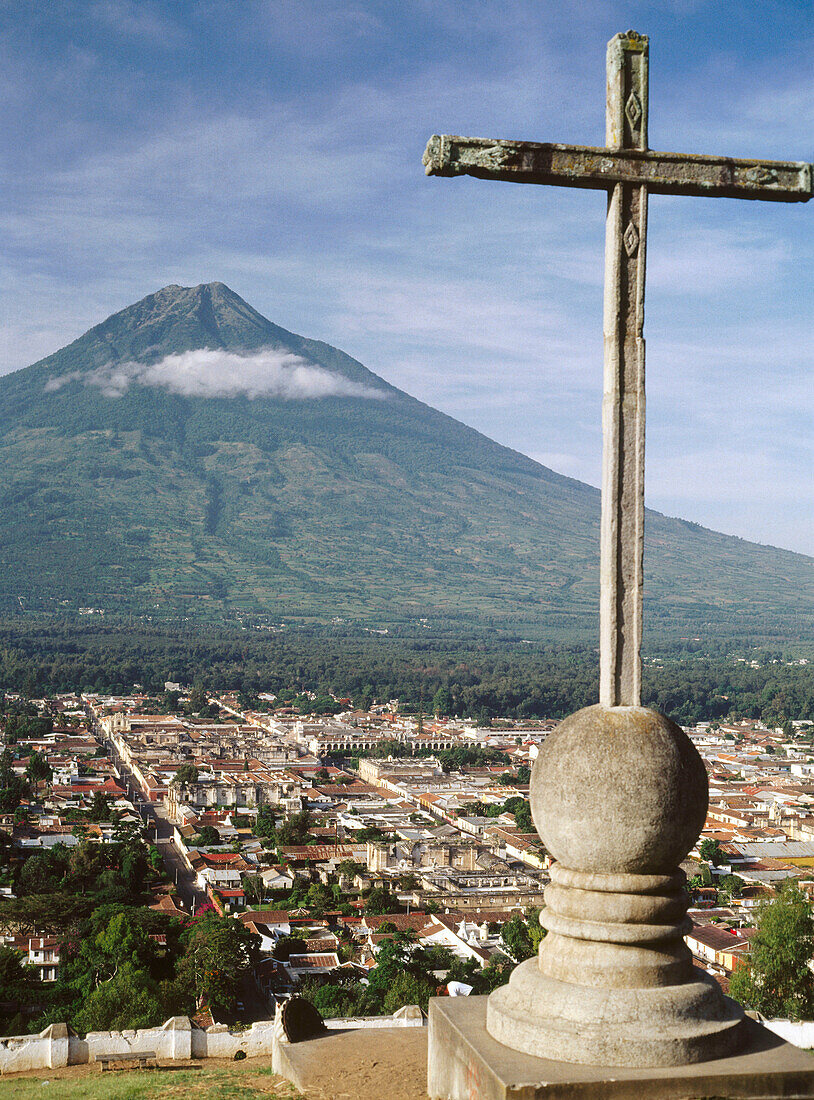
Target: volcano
x=188, y=457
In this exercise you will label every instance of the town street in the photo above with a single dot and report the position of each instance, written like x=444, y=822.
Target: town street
x=191, y=895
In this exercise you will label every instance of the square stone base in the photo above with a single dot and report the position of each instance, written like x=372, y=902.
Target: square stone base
x=466, y=1063
x=388, y=1063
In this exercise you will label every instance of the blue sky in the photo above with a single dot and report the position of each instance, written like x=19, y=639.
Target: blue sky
x=277, y=147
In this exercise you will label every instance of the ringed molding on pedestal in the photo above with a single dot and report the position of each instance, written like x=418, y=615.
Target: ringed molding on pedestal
x=619, y=796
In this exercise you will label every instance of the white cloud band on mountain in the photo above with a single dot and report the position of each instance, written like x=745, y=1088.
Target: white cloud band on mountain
x=212, y=373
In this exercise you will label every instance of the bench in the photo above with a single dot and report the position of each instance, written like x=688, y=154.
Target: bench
x=139, y=1059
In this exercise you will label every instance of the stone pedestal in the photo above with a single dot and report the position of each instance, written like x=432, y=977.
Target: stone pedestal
x=619, y=796
x=614, y=982
x=467, y=1063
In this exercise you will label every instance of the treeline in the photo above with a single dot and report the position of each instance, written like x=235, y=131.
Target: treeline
x=484, y=676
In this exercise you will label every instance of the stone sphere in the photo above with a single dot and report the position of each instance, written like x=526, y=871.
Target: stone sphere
x=619, y=790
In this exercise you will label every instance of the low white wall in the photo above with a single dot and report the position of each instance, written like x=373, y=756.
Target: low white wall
x=219, y=1042
x=48, y=1050
x=175, y=1040
x=409, y=1016
x=799, y=1033
x=172, y=1040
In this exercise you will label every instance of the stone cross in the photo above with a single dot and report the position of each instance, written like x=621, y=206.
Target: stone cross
x=628, y=171
x=618, y=792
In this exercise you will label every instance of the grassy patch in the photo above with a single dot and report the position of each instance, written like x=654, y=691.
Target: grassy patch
x=246, y=1083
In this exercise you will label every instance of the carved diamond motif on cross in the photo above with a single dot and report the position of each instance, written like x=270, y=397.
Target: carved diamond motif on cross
x=633, y=110
x=630, y=239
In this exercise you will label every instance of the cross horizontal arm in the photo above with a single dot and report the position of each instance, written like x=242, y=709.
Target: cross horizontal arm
x=601, y=168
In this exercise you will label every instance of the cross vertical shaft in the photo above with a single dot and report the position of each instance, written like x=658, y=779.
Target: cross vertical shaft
x=628, y=170
x=623, y=402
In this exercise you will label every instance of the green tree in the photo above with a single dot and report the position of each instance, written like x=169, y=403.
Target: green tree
x=408, y=988
x=777, y=980
x=155, y=859
x=119, y=871
x=264, y=826
x=121, y=941
x=295, y=830
x=335, y=1000
x=348, y=867
x=730, y=886
x=27, y=727
x=86, y=863
x=16, y=978
x=522, y=776
x=100, y=807
x=522, y=935
x=495, y=974
x=208, y=837
x=219, y=950
x=286, y=946
x=117, y=976
x=363, y=700
x=38, y=769
x=254, y=887
x=54, y=913
x=521, y=810
x=400, y=976
x=129, y=999
x=170, y=701
x=187, y=773
x=199, y=700
x=319, y=898
x=380, y=900
x=13, y=788
x=710, y=850
x=442, y=702
x=44, y=872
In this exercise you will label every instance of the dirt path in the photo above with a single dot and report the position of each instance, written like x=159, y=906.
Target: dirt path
x=365, y=1066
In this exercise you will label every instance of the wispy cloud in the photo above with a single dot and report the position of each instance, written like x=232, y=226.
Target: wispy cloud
x=737, y=488
x=212, y=373
x=138, y=19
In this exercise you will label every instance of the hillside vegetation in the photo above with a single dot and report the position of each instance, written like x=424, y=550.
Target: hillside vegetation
x=366, y=504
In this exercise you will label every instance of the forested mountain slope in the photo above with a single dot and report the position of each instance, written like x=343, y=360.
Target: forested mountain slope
x=273, y=475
